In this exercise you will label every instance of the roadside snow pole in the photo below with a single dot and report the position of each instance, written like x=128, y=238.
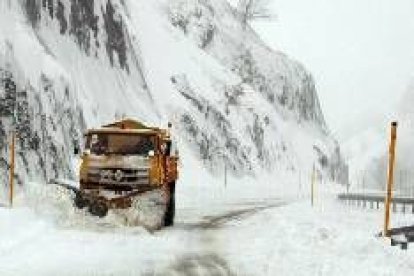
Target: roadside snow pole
x=390, y=182
x=225, y=174
x=12, y=164
x=313, y=184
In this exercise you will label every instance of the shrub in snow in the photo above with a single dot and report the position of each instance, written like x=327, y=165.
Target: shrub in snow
x=195, y=18
x=245, y=66
x=3, y=137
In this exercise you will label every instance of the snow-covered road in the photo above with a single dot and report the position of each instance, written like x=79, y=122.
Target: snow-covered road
x=244, y=235
x=248, y=238
x=207, y=256
x=88, y=247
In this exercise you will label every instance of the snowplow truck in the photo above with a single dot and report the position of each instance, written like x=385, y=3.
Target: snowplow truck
x=124, y=160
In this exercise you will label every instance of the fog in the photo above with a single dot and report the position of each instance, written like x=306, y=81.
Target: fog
x=361, y=53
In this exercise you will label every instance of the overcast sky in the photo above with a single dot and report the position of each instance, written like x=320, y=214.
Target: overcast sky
x=361, y=53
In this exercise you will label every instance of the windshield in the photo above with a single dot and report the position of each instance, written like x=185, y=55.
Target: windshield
x=125, y=144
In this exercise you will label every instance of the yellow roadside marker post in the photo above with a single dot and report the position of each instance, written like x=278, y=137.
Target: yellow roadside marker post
x=390, y=182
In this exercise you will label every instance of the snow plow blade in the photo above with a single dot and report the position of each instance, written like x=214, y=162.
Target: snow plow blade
x=65, y=185
x=99, y=205
x=95, y=206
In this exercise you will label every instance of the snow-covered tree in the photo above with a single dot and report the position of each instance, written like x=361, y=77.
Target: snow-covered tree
x=254, y=9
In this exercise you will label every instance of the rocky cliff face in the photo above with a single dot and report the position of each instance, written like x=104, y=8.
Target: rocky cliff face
x=83, y=21
x=73, y=64
x=48, y=123
x=282, y=85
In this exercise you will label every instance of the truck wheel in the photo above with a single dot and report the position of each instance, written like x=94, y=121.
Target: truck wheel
x=98, y=209
x=170, y=212
x=80, y=201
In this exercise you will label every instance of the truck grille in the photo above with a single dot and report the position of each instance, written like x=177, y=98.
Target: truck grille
x=119, y=176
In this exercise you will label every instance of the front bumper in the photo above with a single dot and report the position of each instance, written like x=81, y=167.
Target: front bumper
x=113, y=197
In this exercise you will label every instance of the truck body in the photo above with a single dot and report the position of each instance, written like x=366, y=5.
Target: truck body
x=123, y=160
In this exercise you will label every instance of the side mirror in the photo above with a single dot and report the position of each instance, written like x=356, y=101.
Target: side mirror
x=76, y=150
x=163, y=148
x=168, y=145
x=151, y=153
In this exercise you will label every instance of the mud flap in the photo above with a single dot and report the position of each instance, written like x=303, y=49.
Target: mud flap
x=170, y=212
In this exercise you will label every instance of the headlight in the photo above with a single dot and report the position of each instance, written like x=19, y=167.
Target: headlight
x=118, y=175
x=105, y=174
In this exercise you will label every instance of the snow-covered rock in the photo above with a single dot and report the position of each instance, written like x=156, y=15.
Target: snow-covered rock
x=70, y=64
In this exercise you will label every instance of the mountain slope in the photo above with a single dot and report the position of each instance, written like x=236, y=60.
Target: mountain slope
x=231, y=99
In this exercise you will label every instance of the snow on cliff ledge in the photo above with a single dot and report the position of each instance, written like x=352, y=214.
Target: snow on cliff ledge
x=76, y=64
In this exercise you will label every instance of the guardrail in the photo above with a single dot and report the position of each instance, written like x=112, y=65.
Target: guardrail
x=373, y=200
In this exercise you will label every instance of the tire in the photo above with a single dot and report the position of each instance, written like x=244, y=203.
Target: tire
x=98, y=209
x=170, y=212
x=80, y=201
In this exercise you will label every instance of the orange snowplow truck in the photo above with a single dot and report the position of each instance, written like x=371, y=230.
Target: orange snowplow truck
x=123, y=160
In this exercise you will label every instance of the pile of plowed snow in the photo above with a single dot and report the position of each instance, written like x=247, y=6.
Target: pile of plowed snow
x=56, y=203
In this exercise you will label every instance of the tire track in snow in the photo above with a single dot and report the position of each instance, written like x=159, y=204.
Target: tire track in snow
x=218, y=221
x=207, y=258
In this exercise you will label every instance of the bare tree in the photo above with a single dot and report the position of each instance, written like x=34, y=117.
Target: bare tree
x=250, y=10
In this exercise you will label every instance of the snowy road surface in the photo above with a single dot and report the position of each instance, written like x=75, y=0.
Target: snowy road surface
x=89, y=247
x=247, y=235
